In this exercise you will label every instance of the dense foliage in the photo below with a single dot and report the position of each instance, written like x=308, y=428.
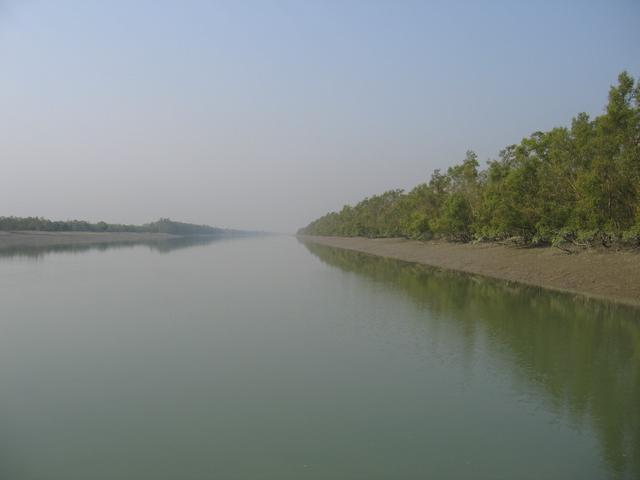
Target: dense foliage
x=579, y=184
x=164, y=225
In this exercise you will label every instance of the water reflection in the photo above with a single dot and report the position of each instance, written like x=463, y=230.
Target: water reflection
x=164, y=245
x=581, y=355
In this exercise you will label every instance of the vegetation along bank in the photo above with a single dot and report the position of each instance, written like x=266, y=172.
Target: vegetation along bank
x=574, y=186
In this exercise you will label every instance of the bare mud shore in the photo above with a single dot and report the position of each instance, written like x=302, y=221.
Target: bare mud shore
x=46, y=239
x=607, y=275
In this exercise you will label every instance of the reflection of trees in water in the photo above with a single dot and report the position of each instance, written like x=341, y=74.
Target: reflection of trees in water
x=164, y=245
x=582, y=354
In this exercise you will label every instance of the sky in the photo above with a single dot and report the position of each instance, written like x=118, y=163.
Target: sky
x=267, y=114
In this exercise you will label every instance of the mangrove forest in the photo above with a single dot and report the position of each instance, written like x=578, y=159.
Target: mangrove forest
x=577, y=184
x=164, y=225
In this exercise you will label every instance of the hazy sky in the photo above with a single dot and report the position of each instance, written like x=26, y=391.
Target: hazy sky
x=268, y=114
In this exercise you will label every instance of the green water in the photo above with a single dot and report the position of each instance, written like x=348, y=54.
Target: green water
x=270, y=359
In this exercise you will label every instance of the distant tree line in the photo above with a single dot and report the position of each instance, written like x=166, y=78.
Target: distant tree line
x=568, y=185
x=164, y=225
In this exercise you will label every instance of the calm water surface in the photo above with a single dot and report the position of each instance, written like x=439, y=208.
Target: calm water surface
x=270, y=359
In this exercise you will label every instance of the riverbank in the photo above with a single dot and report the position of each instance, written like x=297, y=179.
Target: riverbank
x=607, y=275
x=50, y=239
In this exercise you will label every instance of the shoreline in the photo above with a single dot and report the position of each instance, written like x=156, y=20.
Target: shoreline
x=51, y=239
x=612, y=276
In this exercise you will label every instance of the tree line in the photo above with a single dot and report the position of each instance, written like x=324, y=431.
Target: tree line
x=579, y=185
x=164, y=225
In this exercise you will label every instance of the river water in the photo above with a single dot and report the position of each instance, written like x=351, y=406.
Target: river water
x=265, y=358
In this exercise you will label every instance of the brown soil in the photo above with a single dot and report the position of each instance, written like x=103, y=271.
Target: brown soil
x=612, y=275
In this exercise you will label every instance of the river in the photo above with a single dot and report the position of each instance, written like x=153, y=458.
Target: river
x=268, y=358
